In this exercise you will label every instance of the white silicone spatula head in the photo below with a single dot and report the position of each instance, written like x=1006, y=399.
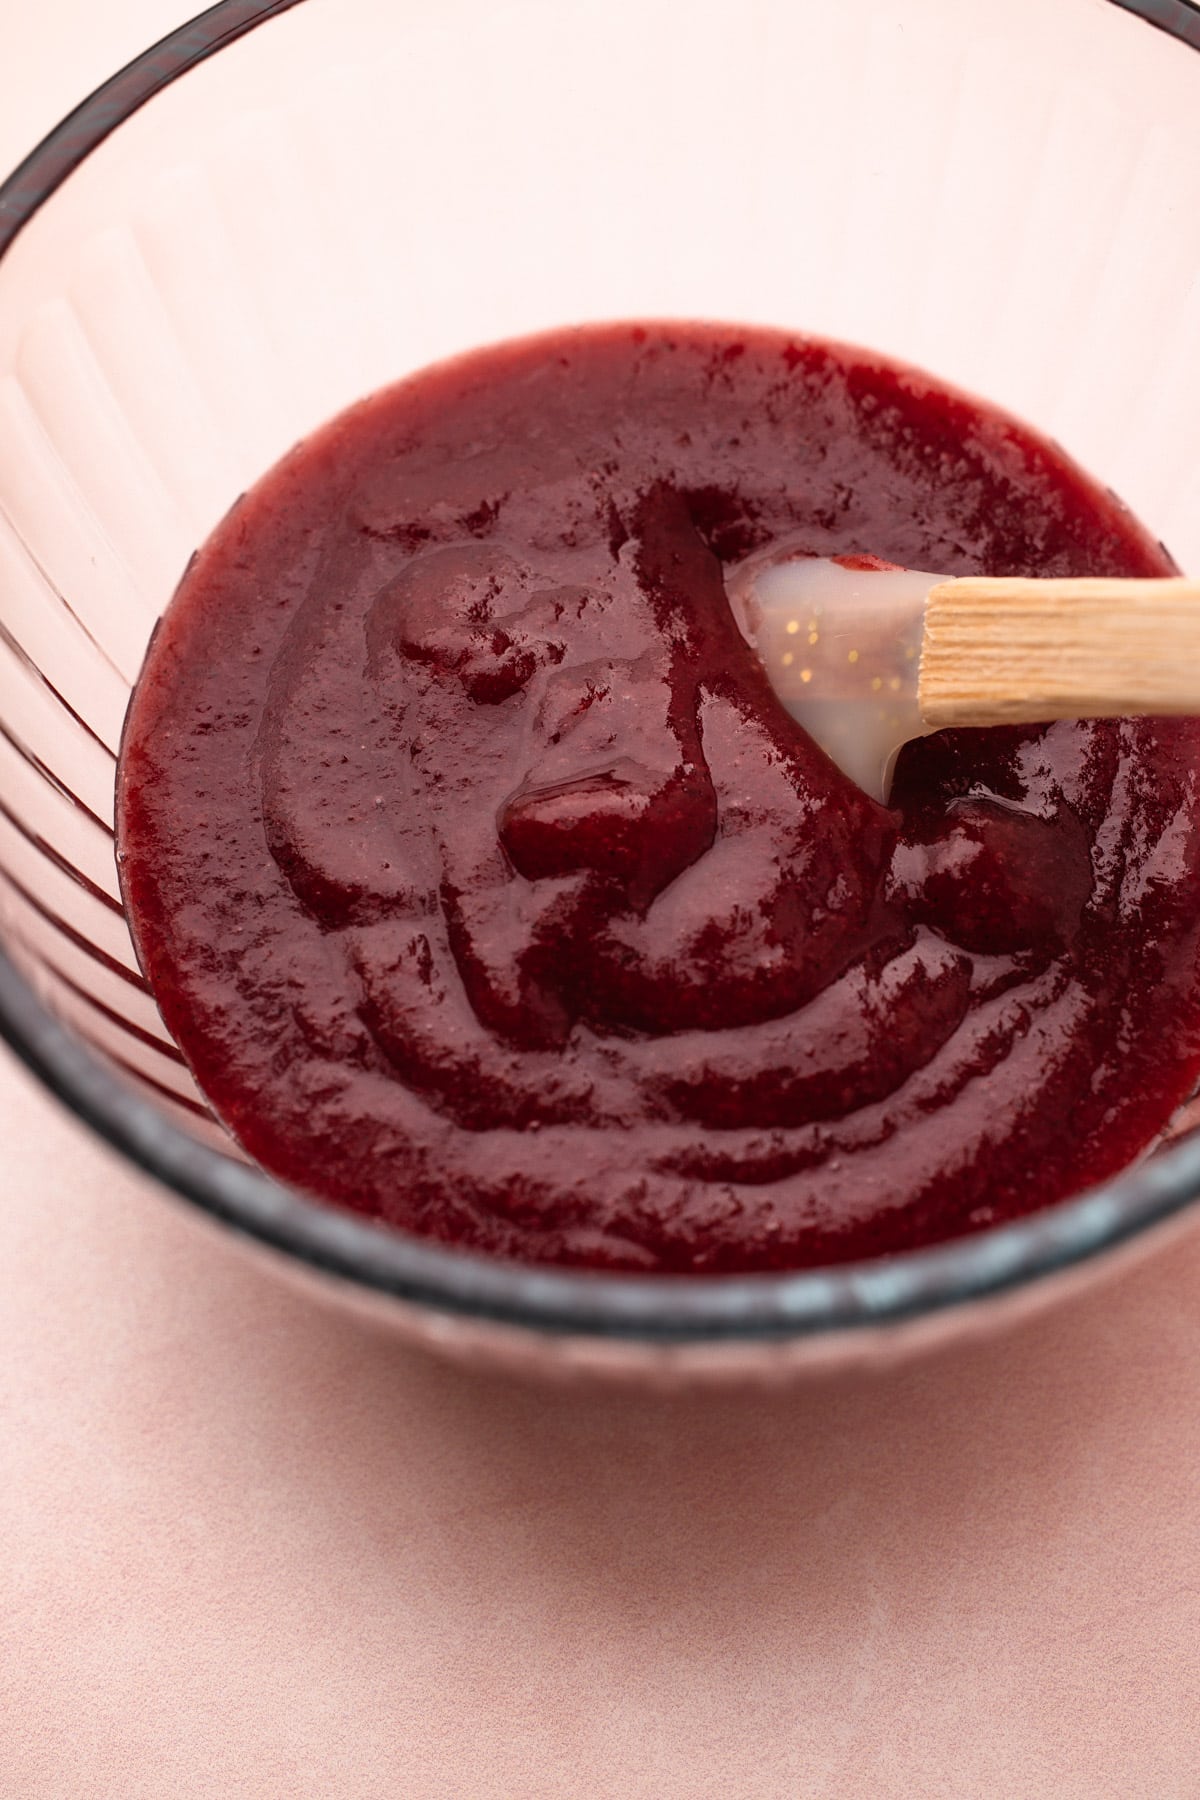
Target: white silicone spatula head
x=841, y=643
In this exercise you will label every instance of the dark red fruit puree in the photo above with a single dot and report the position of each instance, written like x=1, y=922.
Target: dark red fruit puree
x=489, y=890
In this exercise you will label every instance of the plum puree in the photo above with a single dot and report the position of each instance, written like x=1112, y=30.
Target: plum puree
x=488, y=889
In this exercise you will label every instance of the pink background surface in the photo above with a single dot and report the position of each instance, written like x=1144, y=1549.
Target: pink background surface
x=248, y=1549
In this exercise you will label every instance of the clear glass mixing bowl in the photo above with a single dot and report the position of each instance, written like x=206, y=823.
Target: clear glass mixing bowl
x=284, y=206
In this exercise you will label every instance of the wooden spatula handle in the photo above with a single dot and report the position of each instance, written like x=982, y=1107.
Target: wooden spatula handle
x=1006, y=651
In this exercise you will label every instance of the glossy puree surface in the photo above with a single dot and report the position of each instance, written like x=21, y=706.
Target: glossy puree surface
x=488, y=889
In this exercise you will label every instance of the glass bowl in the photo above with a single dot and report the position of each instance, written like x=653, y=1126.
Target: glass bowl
x=284, y=206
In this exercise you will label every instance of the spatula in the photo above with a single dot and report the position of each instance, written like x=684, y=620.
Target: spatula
x=866, y=656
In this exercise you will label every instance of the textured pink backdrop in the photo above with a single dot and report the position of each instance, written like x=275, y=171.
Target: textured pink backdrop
x=247, y=1550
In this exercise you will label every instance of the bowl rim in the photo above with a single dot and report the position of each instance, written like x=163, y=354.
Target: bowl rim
x=851, y=1297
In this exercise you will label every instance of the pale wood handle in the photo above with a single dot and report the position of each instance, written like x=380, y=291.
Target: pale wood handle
x=1005, y=651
